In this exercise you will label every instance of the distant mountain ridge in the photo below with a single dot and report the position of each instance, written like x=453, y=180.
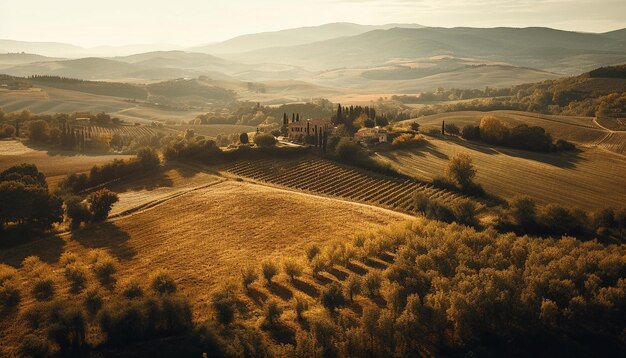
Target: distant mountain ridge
x=543, y=48
x=292, y=37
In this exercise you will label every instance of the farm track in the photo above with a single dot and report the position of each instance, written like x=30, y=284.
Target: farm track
x=324, y=177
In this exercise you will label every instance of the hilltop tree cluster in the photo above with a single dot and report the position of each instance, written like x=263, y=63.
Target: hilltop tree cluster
x=492, y=130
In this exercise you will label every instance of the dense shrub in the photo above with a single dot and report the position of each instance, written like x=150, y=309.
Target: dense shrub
x=25, y=200
x=461, y=170
x=38, y=130
x=272, y=312
x=264, y=140
x=43, y=288
x=162, y=283
x=100, y=203
x=76, y=211
x=293, y=268
x=269, y=270
x=9, y=292
x=452, y=129
x=223, y=302
x=103, y=266
x=132, y=289
x=332, y=296
x=93, y=301
x=248, y=276
x=136, y=320
x=76, y=274
x=408, y=141
x=465, y=213
x=6, y=131
x=471, y=132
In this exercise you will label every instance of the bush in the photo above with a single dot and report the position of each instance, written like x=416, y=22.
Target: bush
x=560, y=220
x=162, y=283
x=452, y=128
x=38, y=130
x=76, y=274
x=264, y=140
x=471, y=132
x=465, y=214
x=148, y=158
x=312, y=251
x=100, y=203
x=461, y=170
x=408, y=141
x=300, y=305
x=293, y=268
x=132, y=289
x=223, y=302
x=248, y=276
x=269, y=270
x=332, y=296
x=243, y=138
x=347, y=150
x=93, y=301
x=272, y=312
x=9, y=293
x=68, y=258
x=562, y=145
x=371, y=283
x=77, y=212
x=43, y=288
x=104, y=267
x=352, y=286
x=524, y=213
x=132, y=321
x=6, y=131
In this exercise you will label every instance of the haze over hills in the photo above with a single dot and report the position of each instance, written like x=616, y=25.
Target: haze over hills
x=543, y=48
x=343, y=57
x=292, y=37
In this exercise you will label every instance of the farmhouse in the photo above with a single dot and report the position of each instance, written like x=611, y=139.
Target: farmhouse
x=369, y=136
x=301, y=129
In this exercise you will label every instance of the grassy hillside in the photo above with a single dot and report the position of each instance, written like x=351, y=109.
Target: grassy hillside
x=54, y=164
x=590, y=179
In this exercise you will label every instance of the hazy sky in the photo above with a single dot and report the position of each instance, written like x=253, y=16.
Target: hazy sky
x=189, y=22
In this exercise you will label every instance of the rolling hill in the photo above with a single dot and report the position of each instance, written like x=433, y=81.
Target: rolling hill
x=544, y=48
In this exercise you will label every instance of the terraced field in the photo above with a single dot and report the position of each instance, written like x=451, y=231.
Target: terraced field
x=324, y=177
x=129, y=131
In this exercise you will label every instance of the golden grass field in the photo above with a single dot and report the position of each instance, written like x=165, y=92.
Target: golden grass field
x=202, y=227
x=55, y=164
x=590, y=179
x=54, y=100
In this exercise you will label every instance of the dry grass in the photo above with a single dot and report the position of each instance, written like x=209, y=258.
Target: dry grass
x=590, y=179
x=207, y=235
x=55, y=164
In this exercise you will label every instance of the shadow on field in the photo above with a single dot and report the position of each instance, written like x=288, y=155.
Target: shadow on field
x=47, y=248
x=280, y=291
x=565, y=160
x=52, y=151
x=305, y=287
x=150, y=180
x=108, y=236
